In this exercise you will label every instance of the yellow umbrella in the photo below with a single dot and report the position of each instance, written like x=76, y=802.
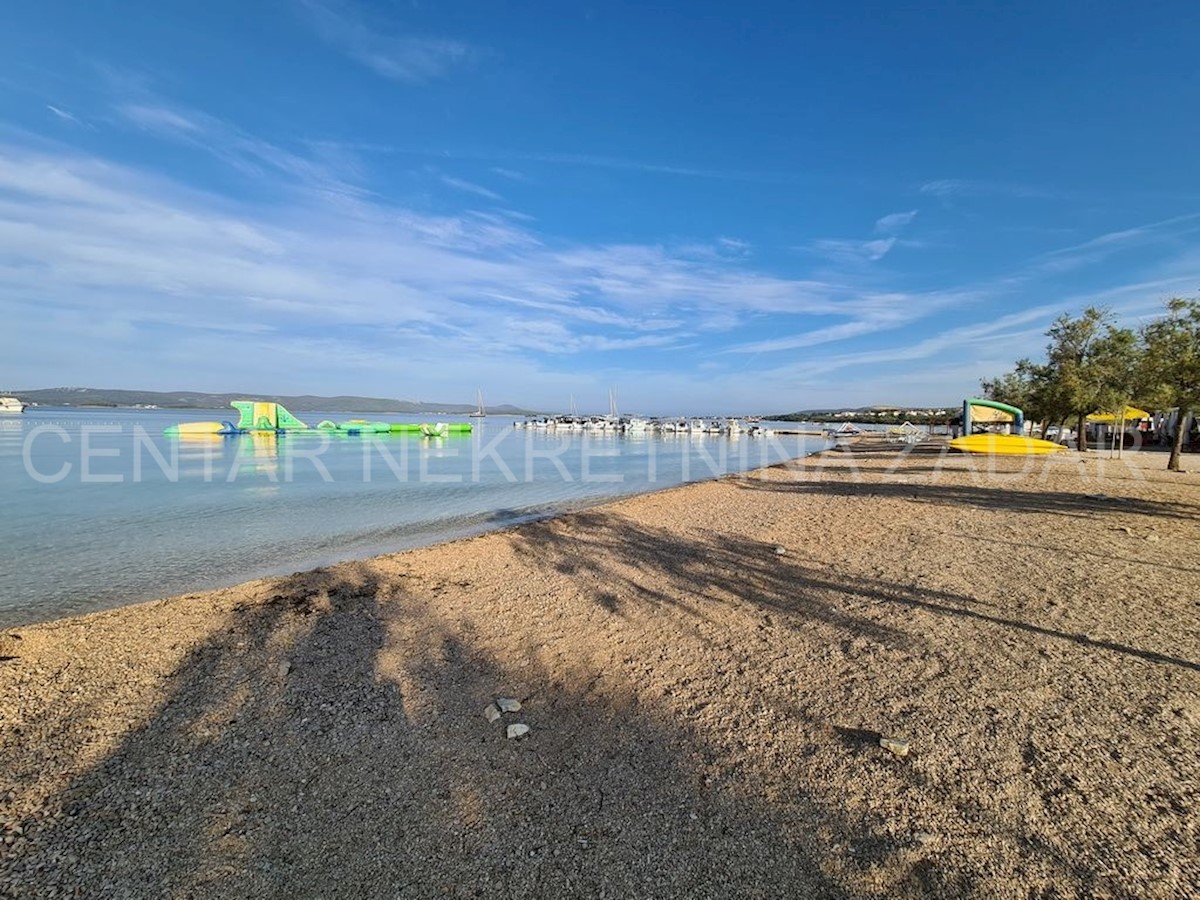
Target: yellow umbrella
x=1132, y=414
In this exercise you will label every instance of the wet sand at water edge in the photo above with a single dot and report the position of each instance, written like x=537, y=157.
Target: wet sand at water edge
x=705, y=672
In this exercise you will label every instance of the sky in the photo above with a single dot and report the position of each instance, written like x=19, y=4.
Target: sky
x=706, y=207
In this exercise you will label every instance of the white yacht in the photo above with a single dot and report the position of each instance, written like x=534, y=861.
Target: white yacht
x=11, y=406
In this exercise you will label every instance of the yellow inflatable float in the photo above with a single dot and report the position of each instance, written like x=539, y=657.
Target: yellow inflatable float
x=995, y=413
x=1004, y=445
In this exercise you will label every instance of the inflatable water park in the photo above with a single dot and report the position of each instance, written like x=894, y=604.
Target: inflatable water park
x=257, y=416
x=980, y=417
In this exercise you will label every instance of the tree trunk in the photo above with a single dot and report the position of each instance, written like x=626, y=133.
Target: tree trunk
x=1177, y=444
x=1081, y=434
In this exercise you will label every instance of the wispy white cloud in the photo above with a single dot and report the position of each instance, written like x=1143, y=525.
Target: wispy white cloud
x=851, y=251
x=1134, y=301
x=649, y=167
x=733, y=245
x=249, y=154
x=181, y=276
x=470, y=187
x=63, y=114
x=868, y=314
x=583, y=160
x=957, y=338
x=1104, y=245
x=162, y=259
x=633, y=165
x=956, y=357
x=164, y=120
x=400, y=57
x=894, y=222
x=946, y=189
x=844, y=250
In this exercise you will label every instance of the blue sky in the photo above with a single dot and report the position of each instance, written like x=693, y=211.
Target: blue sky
x=707, y=206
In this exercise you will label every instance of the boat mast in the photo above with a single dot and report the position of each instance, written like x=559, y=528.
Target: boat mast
x=480, y=411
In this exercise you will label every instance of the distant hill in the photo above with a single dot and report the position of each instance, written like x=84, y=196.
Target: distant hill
x=884, y=415
x=80, y=396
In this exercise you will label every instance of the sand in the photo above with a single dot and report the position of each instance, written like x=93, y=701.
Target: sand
x=705, y=673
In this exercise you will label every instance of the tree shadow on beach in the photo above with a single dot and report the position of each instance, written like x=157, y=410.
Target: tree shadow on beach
x=1076, y=551
x=850, y=481
x=624, y=564
x=621, y=565
x=935, y=459
x=328, y=739
x=872, y=631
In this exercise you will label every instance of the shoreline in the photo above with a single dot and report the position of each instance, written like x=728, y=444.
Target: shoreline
x=474, y=526
x=706, y=670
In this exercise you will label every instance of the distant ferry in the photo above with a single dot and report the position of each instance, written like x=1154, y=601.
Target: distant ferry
x=11, y=406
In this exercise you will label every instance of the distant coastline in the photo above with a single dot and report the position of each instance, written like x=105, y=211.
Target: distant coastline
x=113, y=398
x=126, y=399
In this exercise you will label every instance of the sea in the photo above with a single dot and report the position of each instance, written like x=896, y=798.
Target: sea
x=99, y=508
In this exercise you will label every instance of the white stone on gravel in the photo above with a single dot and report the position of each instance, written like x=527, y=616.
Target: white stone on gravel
x=507, y=704
x=491, y=712
x=894, y=745
x=518, y=730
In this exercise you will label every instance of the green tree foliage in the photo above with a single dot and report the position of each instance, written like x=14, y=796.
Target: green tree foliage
x=1015, y=388
x=1029, y=387
x=1091, y=365
x=1170, y=365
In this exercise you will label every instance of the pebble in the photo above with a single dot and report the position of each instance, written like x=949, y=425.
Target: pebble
x=491, y=712
x=781, y=551
x=517, y=730
x=894, y=745
x=507, y=704
x=285, y=669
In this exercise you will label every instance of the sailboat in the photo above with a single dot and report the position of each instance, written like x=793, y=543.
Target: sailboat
x=612, y=421
x=480, y=412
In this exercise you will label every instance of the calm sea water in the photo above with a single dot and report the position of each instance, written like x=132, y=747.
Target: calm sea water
x=98, y=508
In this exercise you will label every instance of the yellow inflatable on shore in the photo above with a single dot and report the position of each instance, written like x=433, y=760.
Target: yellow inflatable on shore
x=995, y=414
x=1004, y=445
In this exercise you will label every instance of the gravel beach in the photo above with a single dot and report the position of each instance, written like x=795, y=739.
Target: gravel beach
x=706, y=673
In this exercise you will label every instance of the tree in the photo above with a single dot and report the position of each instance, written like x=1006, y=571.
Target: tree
x=1016, y=388
x=1091, y=365
x=1170, y=366
x=1030, y=388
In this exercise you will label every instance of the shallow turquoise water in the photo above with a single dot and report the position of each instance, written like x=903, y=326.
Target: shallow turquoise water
x=98, y=508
